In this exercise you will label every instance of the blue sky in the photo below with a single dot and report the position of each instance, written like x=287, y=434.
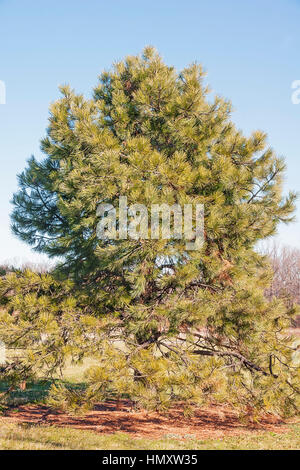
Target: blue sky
x=249, y=48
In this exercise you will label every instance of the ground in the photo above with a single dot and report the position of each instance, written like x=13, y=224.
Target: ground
x=116, y=426
x=29, y=436
x=29, y=424
x=209, y=422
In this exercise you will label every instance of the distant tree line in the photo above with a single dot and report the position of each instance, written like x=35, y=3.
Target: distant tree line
x=285, y=263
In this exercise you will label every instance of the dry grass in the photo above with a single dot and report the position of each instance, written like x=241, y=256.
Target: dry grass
x=24, y=437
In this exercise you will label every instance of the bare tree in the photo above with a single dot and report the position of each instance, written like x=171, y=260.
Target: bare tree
x=43, y=266
x=285, y=262
x=38, y=267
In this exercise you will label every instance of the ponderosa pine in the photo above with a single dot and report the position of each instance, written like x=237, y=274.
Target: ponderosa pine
x=163, y=324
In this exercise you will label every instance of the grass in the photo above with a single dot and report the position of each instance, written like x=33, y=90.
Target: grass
x=32, y=437
x=24, y=437
x=36, y=392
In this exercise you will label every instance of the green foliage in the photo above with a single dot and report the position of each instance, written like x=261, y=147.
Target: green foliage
x=165, y=324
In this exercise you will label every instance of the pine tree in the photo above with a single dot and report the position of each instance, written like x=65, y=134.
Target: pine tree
x=164, y=324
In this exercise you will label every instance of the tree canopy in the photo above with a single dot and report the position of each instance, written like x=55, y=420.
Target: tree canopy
x=164, y=324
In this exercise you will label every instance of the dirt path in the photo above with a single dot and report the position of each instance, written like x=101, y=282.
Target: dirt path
x=212, y=422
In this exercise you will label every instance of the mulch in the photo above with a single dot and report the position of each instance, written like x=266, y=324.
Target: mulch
x=110, y=417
